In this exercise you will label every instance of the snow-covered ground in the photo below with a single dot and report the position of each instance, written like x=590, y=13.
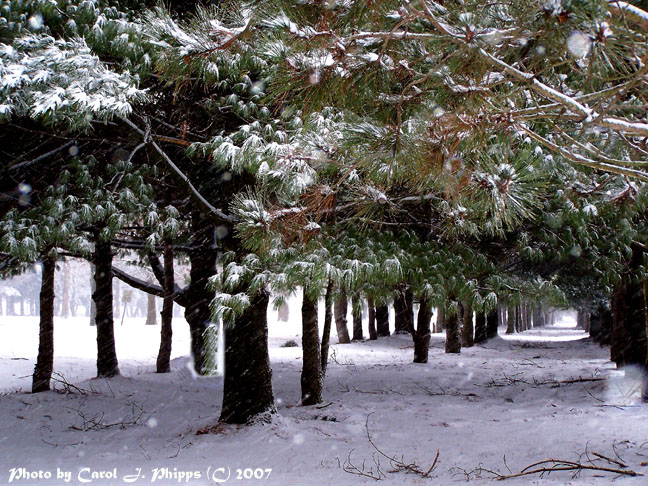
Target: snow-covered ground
x=516, y=400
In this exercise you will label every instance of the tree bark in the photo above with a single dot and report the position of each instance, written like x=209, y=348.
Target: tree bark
x=311, y=375
x=326, y=333
x=467, y=332
x=247, y=393
x=492, y=320
x=404, y=311
x=510, y=320
x=107, y=365
x=480, y=327
x=422, y=335
x=440, y=321
x=198, y=295
x=45, y=361
x=340, y=309
x=356, y=313
x=372, y=319
x=382, y=320
x=453, y=333
x=163, y=364
x=629, y=344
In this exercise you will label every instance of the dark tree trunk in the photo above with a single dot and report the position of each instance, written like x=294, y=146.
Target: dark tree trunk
x=166, y=316
x=340, y=309
x=518, y=318
x=492, y=320
x=107, y=365
x=311, y=375
x=510, y=320
x=480, y=327
x=382, y=320
x=630, y=320
x=356, y=313
x=600, y=325
x=151, y=310
x=247, y=392
x=628, y=343
x=45, y=360
x=467, y=332
x=453, y=333
x=540, y=314
x=198, y=295
x=440, y=321
x=580, y=318
x=422, y=335
x=326, y=333
x=372, y=320
x=404, y=311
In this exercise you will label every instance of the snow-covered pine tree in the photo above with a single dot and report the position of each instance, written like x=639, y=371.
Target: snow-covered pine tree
x=468, y=122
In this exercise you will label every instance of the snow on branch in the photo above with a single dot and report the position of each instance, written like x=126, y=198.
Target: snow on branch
x=62, y=81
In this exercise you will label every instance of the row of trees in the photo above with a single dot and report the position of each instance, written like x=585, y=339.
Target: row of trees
x=73, y=290
x=461, y=157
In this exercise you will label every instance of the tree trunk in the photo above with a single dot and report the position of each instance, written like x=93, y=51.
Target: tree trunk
x=356, y=313
x=326, y=333
x=107, y=365
x=467, y=332
x=340, y=309
x=440, y=321
x=311, y=375
x=492, y=320
x=199, y=295
x=382, y=320
x=527, y=315
x=453, y=333
x=629, y=320
x=480, y=327
x=45, y=361
x=422, y=335
x=580, y=318
x=372, y=319
x=247, y=393
x=510, y=320
x=404, y=311
x=163, y=364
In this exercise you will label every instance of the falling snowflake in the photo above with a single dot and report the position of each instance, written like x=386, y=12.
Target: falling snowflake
x=35, y=22
x=579, y=44
x=298, y=439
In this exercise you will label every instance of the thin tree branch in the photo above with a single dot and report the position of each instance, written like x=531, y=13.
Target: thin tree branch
x=146, y=136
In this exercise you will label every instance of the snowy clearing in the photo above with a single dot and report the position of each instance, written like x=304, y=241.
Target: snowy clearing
x=517, y=400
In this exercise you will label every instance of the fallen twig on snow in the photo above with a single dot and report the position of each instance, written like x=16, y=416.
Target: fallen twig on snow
x=398, y=465
x=552, y=465
x=68, y=388
x=96, y=421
